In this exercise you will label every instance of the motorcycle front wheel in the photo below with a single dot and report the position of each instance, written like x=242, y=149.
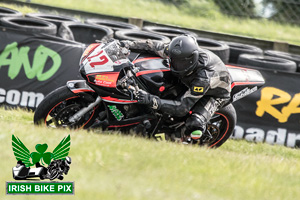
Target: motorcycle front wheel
x=57, y=107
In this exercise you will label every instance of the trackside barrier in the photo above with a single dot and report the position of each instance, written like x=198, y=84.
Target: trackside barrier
x=263, y=44
x=33, y=65
x=271, y=114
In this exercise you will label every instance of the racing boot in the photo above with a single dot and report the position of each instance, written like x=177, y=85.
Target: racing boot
x=196, y=135
x=193, y=138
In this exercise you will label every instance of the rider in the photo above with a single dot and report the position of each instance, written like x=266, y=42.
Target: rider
x=204, y=74
x=62, y=166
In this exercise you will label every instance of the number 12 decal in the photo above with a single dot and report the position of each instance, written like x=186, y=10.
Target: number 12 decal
x=103, y=59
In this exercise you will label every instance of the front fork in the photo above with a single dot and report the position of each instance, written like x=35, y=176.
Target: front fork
x=80, y=87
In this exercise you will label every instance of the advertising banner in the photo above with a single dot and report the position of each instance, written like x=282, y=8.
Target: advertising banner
x=272, y=114
x=33, y=65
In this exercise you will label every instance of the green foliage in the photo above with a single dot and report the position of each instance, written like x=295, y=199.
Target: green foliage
x=201, y=8
x=22, y=9
x=241, y=8
x=284, y=10
x=175, y=2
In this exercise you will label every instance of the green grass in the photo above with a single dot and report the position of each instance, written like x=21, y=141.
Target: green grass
x=112, y=166
x=202, y=15
x=22, y=9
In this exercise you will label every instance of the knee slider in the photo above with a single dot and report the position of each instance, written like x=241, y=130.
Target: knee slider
x=196, y=122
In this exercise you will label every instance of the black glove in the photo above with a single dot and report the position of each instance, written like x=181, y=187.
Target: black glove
x=146, y=98
x=125, y=43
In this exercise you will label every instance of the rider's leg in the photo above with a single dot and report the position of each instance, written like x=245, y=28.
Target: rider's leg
x=201, y=114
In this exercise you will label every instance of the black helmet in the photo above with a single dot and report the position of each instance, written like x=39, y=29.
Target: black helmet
x=68, y=160
x=183, y=53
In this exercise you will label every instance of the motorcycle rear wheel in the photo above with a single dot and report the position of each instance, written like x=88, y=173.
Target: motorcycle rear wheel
x=220, y=127
x=56, y=109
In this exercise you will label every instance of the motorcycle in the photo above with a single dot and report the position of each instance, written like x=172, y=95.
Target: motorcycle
x=106, y=96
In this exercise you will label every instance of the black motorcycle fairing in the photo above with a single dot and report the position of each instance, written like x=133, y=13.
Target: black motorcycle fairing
x=155, y=74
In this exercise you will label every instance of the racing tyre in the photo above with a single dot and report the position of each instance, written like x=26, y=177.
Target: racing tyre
x=29, y=25
x=218, y=48
x=55, y=19
x=267, y=62
x=7, y=12
x=84, y=33
x=168, y=31
x=237, y=48
x=114, y=25
x=285, y=55
x=55, y=110
x=140, y=35
x=220, y=127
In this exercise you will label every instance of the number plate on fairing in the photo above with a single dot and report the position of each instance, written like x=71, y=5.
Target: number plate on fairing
x=98, y=61
x=102, y=57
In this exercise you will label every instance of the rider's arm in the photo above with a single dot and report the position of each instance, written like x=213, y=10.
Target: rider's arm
x=180, y=108
x=187, y=101
x=156, y=47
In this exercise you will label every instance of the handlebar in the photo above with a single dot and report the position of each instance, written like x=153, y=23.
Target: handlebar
x=129, y=81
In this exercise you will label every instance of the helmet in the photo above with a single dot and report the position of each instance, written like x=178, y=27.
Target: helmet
x=68, y=160
x=183, y=53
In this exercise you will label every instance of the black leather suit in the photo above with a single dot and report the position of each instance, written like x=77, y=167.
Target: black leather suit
x=209, y=86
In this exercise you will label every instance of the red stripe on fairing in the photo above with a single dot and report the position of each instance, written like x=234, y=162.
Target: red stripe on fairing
x=225, y=131
x=231, y=66
x=244, y=83
x=117, y=126
x=82, y=90
x=151, y=71
x=145, y=59
x=118, y=100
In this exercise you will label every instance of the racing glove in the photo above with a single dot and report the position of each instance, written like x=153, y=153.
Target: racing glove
x=146, y=98
x=125, y=43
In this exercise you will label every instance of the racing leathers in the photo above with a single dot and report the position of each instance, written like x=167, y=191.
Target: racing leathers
x=209, y=87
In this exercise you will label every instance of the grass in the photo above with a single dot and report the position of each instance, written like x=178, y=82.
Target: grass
x=199, y=15
x=22, y=9
x=112, y=166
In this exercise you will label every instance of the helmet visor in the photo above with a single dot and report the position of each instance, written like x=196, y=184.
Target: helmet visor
x=180, y=64
x=184, y=65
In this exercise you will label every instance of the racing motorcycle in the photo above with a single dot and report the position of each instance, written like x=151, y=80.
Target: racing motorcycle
x=106, y=97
